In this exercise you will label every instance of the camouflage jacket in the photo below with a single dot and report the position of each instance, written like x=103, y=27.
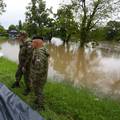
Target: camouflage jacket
x=25, y=53
x=39, y=62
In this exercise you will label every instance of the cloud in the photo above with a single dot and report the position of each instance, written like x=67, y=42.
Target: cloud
x=15, y=11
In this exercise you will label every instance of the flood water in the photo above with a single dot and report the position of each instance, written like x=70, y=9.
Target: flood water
x=95, y=68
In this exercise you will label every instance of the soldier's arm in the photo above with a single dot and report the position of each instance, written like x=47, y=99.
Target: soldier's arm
x=46, y=49
x=29, y=51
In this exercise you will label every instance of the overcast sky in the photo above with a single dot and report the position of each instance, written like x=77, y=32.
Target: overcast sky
x=15, y=10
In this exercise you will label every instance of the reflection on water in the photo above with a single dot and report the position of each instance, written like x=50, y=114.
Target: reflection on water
x=10, y=50
x=96, y=68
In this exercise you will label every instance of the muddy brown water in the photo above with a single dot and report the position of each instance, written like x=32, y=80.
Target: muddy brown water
x=95, y=68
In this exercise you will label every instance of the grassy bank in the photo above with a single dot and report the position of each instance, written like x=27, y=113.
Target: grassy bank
x=64, y=102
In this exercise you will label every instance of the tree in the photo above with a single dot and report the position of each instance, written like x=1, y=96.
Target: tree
x=20, y=27
x=12, y=27
x=98, y=34
x=3, y=32
x=2, y=7
x=65, y=23
x=37, y=17
x=113, y=30
x=50, y=30
x=91, y=12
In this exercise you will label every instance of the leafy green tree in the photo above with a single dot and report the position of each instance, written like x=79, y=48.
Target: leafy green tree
x=1, y=29
x=12, y=27
x=113, y=30
x=20, y=26
x=3, y=32
x=98, y=34
x=65, y=23
x=2, y=7
x=49, y=29
x=91, y=12
x=36, y=17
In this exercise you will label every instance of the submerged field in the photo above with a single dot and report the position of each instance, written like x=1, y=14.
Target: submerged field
x=63, y=101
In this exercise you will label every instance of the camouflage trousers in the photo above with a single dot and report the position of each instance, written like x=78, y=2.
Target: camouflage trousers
x=38, y=82
x=20, y=73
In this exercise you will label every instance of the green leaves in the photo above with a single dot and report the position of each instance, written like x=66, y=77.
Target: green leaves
x=12, y=27
x=65, y=22
x=91, y=12
x=2, y=7
x=36, y=16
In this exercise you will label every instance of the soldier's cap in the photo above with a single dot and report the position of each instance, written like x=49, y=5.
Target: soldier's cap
x=23, y=33
x=38, y=37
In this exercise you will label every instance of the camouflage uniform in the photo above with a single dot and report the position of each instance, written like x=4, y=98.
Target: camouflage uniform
x=25, y=55
x=38, y=73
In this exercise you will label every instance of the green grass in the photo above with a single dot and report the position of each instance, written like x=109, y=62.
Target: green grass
x=64, y=102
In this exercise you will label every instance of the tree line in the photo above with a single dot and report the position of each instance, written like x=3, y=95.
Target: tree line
x=78, y=20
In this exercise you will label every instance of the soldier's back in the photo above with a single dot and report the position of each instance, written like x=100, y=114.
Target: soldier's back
x=40, y=60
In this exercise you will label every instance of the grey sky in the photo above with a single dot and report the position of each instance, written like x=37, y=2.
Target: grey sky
x=15, y=10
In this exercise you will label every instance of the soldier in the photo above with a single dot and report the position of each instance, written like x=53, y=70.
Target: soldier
x=39, y=70
x=25, y=55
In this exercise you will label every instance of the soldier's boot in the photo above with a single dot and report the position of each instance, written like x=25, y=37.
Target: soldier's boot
x=38, y=106
x=26, y=91
x=15, y=85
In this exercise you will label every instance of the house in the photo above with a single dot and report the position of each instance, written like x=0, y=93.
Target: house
x=12, y=34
